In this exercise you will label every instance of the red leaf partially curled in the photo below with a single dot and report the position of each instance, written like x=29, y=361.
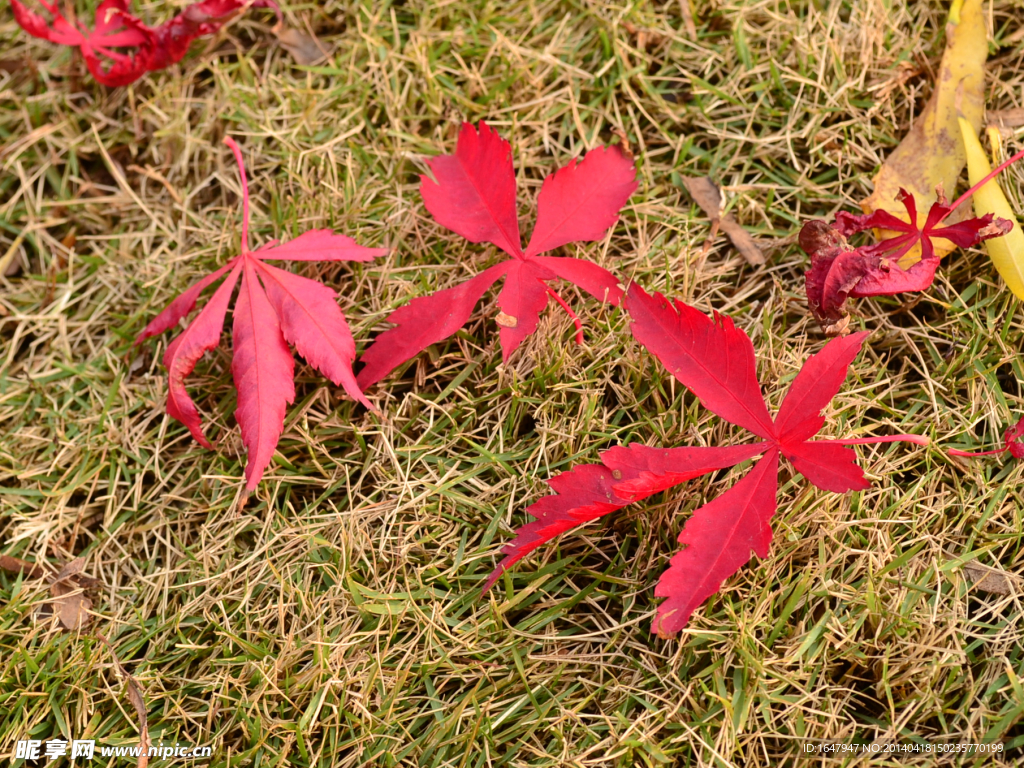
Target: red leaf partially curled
x=839, y=271
x=274, y=308
x=148, y=48
x=715, y=360
x=473, y=193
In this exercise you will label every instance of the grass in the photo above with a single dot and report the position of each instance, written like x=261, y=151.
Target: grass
x=335, y=620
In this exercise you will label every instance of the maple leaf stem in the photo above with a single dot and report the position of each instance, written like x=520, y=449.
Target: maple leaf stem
x=245, y=191
x=998, y=169
x=955, y=452
x=568, y=309
x=917, y=439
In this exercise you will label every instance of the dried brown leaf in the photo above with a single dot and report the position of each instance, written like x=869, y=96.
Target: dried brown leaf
x=1006, y=118
x=69, y=596
x=742, y=240
x=306, y=49
x=990, y=580
x=17, y=565
x=705, y=193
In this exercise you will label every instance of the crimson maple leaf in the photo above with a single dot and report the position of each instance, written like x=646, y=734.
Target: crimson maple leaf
x=474, y=195
x=715, y=360
x=151, y=48
x=839, y=271
x=275, y=308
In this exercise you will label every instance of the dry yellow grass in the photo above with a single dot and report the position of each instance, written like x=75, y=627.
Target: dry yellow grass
x=335, y=620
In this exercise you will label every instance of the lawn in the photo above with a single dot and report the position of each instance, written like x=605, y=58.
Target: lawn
x=335, y=618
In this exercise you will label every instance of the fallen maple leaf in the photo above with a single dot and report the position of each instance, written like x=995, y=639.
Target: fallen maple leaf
x=715, y=360
x=475, y=196
x=275, y=308
x=839, y=271
x=151, y=48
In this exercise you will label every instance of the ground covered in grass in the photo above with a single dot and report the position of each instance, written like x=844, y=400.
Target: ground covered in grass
x=335, y=620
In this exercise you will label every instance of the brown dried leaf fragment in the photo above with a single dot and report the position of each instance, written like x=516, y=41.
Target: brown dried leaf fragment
x=17, y=565
x=1005, y=118
x=705, y=193
x=69, y=596
x=305, y=48
x=506, y=321
x=990, y=579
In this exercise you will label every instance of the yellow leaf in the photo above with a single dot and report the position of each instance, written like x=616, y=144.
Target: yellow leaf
x=932, y=154
x=1006, y=252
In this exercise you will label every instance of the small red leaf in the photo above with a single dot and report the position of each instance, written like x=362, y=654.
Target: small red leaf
x=1014, y=439
x=283, y=308
x=839, y=271
x=581, y=202
x=719, y=538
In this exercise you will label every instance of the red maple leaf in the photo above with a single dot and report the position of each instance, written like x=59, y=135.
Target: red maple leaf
x=1013, y=444
x=475, y=196
x=839, y=271
x=715, y=360
x=275, y=308
x=148, y=48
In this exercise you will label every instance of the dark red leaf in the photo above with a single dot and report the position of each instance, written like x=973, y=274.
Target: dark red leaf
x=839, y=271
x=1013, y=444
x=1014, y=439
